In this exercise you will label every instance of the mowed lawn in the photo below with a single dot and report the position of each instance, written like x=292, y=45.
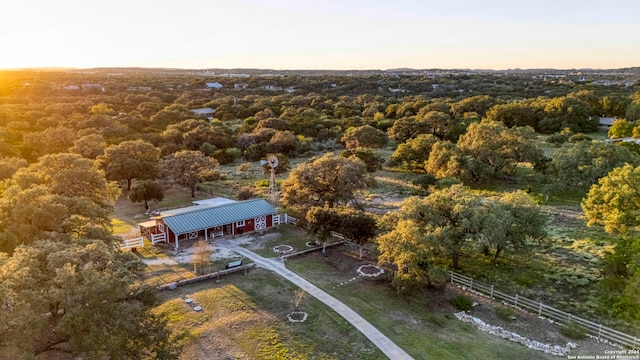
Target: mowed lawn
x=423, y=325
x=245, y=317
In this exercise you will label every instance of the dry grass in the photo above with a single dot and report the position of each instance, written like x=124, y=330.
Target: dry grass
x=244, y=317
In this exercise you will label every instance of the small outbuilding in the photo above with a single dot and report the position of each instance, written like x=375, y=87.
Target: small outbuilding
x=210, y=220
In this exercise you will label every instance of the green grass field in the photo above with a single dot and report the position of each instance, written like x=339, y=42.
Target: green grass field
x=245, y=317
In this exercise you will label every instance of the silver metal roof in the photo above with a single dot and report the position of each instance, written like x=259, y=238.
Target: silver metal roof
x=201, y=217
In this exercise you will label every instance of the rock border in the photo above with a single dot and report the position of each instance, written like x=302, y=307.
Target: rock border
x=287, y=249
x=291, y=319
x=556, y=350
x=363, y=274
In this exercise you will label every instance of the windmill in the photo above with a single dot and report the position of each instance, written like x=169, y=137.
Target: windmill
x=272, y=161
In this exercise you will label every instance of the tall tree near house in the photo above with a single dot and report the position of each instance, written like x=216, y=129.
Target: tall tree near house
x=145, y=191
x=190, y=168
x=82, y=298
x=509, y=223
x=357, y=226
x=407, y=248
x=134, y=159
x=62, y=195
x=326, y=181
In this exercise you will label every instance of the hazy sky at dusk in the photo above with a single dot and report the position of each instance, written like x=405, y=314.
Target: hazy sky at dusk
x=320, y=34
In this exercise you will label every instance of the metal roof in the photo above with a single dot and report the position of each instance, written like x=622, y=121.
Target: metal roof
x=202, y=217
x=213, y=201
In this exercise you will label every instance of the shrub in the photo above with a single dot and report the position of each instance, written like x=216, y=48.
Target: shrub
x=245, y=193
x=572, y=330
x=462, y=302
x=506, y=313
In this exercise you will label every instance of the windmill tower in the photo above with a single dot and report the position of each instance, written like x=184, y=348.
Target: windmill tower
x=272, y=161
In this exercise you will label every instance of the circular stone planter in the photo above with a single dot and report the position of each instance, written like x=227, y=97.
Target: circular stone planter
x=297, y=316
x=370, y=270
x=283, y=249
x=311, y=244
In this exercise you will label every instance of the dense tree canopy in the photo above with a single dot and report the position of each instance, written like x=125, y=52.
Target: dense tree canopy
x=440, y=228
x=364, y=136
x=61, y=195
x=581, y=164
x=499, y=148
x=82, y=298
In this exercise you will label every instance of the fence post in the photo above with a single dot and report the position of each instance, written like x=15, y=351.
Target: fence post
x=471, y=284
x=491, y=296
x=540, y=310
x=451, y=273
x=516, y=300
x=599, y=330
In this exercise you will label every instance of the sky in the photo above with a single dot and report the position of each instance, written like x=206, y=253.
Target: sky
x=320, y=34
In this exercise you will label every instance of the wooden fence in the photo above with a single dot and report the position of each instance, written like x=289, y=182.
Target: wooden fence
x=132, y=243
x=217, y=274
x=598, y=330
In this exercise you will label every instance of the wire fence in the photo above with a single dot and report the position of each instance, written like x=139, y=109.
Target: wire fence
x=598, y=330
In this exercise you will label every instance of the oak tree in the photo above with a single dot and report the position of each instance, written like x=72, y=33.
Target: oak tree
x=190, y=168
x=133, y=159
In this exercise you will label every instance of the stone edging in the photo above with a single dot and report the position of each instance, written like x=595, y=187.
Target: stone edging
x=511, y=336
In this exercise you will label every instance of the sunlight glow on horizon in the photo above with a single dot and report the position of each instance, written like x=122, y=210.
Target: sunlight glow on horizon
x=323, y=34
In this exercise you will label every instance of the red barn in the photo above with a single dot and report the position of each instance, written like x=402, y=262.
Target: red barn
x=210, y=221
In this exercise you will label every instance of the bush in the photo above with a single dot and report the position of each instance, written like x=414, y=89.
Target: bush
x=462, y=302
x=245, y=193
x=572, y=330
x=506, y=313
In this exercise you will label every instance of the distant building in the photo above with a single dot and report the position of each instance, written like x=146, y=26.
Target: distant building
x=606, y=121
x=271, y=87
x=240, y=86
x=235, y=75
x=92, y=87
x=204, y=112
x=214, y=85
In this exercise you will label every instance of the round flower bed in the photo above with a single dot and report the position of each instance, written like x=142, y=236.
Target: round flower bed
x=370, y=270
x=283, y=249
x=297, y=316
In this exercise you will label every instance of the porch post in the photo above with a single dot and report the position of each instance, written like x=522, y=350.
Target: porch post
x=176, y=235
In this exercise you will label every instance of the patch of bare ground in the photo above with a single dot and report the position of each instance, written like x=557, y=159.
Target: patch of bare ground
x=565, y=216
x=381, y=204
